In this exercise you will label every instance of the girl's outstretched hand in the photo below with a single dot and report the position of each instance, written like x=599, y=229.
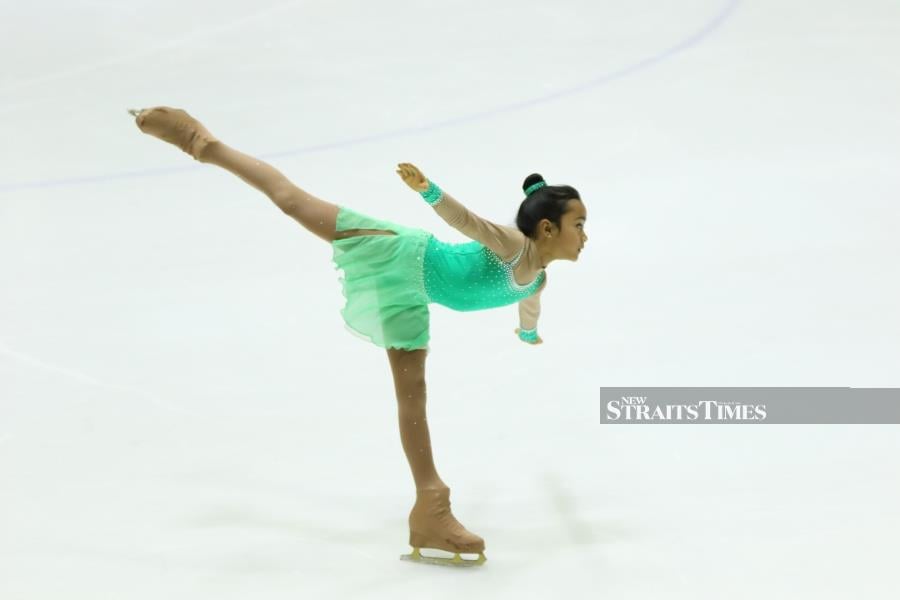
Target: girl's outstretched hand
x=412, y=176
x=534, y=343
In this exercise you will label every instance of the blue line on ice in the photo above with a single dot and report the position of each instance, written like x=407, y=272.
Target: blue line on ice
x=708, y=28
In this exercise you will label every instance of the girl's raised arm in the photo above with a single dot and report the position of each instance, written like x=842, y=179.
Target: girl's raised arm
x=505, y=242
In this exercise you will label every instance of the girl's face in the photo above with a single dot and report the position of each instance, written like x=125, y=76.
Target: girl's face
x=571, y=235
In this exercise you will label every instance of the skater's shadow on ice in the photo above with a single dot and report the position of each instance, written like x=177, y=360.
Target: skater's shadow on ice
x=565, y=521
x=578, y=528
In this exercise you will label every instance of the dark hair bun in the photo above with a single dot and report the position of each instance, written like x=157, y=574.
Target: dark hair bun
x=531, y=180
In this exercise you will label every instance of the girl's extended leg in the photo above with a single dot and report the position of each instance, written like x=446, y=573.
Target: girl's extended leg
x=179, y=128
x=431, y=524
x=316, y=215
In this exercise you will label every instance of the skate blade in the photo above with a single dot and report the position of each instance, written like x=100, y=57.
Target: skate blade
x=456, y=561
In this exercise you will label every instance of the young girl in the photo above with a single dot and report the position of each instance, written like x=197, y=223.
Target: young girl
x=393, y=272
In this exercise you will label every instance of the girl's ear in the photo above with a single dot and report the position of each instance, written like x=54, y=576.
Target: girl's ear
x=546, y=227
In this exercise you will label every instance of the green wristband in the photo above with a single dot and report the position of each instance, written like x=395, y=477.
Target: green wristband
x=433, y=194
x=528, y=335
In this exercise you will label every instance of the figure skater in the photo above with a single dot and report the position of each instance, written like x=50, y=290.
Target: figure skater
x=392, y=273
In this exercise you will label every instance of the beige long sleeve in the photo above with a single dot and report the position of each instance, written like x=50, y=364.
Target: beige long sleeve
x=530, y=308
x=505, y=242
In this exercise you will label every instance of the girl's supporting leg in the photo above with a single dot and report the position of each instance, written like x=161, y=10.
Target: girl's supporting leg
x=408, y=368
x=431, y=523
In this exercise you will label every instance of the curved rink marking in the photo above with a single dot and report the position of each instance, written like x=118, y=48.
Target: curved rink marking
x=726, y=10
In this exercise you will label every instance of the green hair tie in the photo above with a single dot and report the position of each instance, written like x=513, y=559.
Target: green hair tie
x=534, y=186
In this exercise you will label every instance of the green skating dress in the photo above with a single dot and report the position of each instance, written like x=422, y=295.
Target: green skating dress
x=389, y=280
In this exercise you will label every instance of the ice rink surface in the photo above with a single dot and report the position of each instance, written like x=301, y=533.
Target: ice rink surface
x=184, y=416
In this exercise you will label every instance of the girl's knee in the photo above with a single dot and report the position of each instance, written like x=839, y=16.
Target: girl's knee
x=317, y=216
x=287, y=199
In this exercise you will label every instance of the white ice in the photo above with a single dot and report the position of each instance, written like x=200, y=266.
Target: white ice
x=183, y=415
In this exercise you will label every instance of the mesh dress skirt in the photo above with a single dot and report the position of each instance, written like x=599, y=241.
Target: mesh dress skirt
x=383, y=282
